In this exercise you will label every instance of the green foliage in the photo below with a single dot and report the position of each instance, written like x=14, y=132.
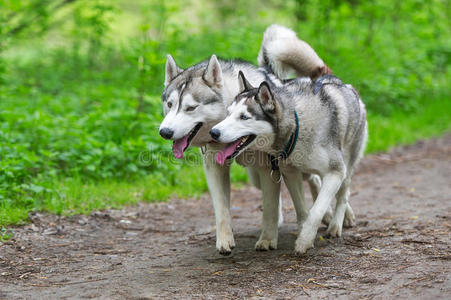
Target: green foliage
x=405, y=128
x=80, y=83
x=5, y=234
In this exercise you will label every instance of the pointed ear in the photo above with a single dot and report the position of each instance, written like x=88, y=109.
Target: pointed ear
x=244, y=84
x=213, y=72
x=171, y=70
x=265, y=98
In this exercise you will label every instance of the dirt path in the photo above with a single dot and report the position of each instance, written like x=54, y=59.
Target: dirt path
x=400, y=247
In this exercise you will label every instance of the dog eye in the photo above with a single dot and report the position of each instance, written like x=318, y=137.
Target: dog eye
x=169, y=104
x=244, y=117
x=191, y=108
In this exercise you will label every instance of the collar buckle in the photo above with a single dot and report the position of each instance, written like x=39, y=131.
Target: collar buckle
x=272, y=176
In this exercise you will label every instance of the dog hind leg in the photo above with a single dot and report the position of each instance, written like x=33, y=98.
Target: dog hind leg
x=280, y=216
x=336, y=225
x=349, y=220
x=294, y=183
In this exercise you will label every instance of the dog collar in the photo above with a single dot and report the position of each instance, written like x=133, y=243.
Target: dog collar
x=289, y=147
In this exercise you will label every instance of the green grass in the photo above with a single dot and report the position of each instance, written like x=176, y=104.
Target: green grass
x=402, y=128
x=74, y=196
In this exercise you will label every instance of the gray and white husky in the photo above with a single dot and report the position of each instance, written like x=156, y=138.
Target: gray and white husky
x=196, y=99
x=318, y=127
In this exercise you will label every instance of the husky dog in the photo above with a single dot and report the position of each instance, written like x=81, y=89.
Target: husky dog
x=195, y=99
x=322, y=124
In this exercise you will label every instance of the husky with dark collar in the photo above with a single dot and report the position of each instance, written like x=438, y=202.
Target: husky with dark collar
x=318, y=127
x=195, y=99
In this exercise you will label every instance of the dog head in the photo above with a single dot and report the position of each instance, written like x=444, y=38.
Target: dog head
x=192, y=103
x=252, y=118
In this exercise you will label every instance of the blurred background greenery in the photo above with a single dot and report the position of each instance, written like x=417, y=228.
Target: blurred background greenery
x=80, y=86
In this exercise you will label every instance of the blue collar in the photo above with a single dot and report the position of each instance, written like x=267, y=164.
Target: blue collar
x=289, y=147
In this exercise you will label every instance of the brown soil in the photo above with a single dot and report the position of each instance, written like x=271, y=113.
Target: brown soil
x=400, y=247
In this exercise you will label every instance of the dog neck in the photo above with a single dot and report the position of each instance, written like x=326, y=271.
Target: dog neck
x=289, y=146
x=286, y=129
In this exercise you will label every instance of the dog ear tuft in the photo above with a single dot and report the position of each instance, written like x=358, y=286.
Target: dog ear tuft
x=244, y=84
x=213, y=72
x=171, y=70
x=265, y=98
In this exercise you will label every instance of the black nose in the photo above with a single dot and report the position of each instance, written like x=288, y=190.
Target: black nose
x=166, y=133
x=215, y=133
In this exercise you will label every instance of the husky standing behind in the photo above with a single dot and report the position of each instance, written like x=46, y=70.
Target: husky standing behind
x=195, y=99
x=321, y=124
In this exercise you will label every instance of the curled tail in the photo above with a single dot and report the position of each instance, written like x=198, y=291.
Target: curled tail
x=284, y=53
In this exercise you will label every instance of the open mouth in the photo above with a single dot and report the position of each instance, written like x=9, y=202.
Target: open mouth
x=179, y=146
x=233, y=149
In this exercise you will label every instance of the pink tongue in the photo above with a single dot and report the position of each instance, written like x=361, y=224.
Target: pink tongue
x=179, y=146
x=226, y=152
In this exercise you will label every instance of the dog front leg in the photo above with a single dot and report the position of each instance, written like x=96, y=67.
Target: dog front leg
x=218, y=180
x=270, y=194
x=330, y=185
x=314, y=182
x=252, y=173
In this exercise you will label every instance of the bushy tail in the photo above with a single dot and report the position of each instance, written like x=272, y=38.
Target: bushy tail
x=284, y=53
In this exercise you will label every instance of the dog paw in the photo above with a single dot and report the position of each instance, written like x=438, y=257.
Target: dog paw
x=265, y=245
x=305, y=240
x=334, y=229
x=225, y=246
x=302, y=246
x=266, y=242
x=349, y=220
